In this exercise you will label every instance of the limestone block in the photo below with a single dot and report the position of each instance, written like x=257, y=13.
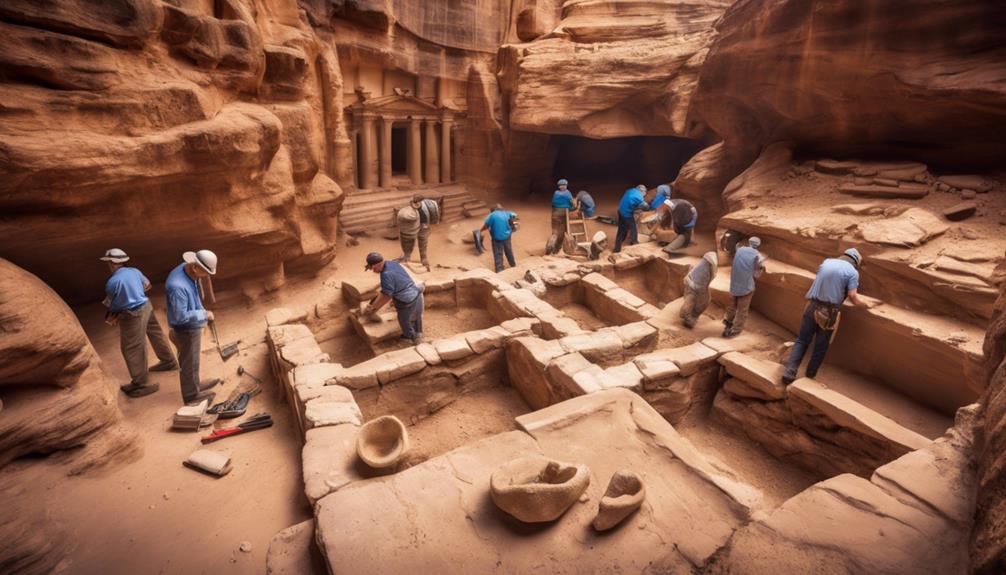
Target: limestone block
x=279, y=336
x=845, y=412
x=360, y=289
x=624, y=495
x=453, y=348
x=637, y=334
x=398, y=364
x=438, y=284
x=291, y=551
x=324, y=411
x=520, y=325
x=535, y=489
x=598, y=282
x=599, y=346
x=485, y=339
x=360, y=376
x=561, y=279
x=556, y=325
x=688, y=358
x=742, y=389
x=621, y=296
x=302, y=351
x=720, y=345
x=284, y=315
x=316, y=374
x=473, y=288
x=626, y=375
x=562, y=374
x=648, y=310
x=429, y=353
x=325, y=393
x=967, y=182
x=624, y=261
x=329, y=460
x=960, y=211
x=526, y=358
x=657, y=373
x=763, y=376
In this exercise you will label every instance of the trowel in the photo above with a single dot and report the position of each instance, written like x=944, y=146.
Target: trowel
x=228, y=351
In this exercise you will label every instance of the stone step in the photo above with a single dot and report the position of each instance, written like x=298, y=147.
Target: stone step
x=905, y=190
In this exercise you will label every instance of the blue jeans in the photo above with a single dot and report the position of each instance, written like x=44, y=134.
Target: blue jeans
x=410, y=317
x=626, y=229
x=501, y=248
x=809, y=331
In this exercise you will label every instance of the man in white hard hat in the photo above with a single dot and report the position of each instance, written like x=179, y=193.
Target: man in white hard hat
x=187, y=318
x=130, y=309
x=836, y=280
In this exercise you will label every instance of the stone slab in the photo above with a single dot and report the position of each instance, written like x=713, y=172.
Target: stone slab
x=291, y=551
x=284, y=315
x=851, y=414
x=626, y=375
x=688, y=358
x=302, y=351
x=398, y=364
x=599, y=346
x=316, y=374
x=521, y=325
x=329, y=460
x=637, y=333
x=453, y=348
x=429, y=353
x=763, y=376
x=657, y=372
x=283, y=334
x=483, y=340
x=598, y=282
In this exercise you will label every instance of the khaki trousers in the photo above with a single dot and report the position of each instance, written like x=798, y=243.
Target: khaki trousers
x=695, y=302
x=737, y=312
x=135, y=327
x=558, y=231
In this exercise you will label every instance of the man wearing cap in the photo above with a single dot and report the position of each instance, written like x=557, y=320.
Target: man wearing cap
x=187, y=318
x=562, y=200
x=837, y=279
x=632, y=201
x=696, y=289
x=398, y=286
x=663, y=194
x=748, y=264
x=131, y=310
x=585, y=204
x=500, y=224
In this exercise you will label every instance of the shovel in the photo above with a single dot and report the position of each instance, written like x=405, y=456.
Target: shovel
x=226, y=352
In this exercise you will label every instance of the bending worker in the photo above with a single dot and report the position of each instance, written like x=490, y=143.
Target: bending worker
x=562, y=200
x=748, y=264
x=131, y=310
x=501, y=225
x=585, y=203
x=187, y=318
x=696, y=289
x=414, y=223
x=398, y=286
x=682, y=215
x=663, y=194
x=837, y=279
x=632, y=201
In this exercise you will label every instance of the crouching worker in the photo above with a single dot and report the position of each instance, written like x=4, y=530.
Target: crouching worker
x=501, y=225
x=696, y=289
x=131, y=310
x=837, y=279
x=187, y=318
x=398, y=286
x=682, y=216
x=585, y=204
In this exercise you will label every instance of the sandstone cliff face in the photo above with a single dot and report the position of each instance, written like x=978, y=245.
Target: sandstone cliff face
x=163, y=127
x=610, y=69
x=988, y=550
x=898, y=78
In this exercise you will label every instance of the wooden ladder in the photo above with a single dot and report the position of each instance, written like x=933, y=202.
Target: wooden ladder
x=576, y=233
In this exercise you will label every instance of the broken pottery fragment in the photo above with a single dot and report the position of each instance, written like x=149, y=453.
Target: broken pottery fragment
x=625, y=494
x=536, y=489
x=382, y=442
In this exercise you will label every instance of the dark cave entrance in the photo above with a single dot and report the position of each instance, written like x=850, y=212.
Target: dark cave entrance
x=610, y=166
x=399, y=143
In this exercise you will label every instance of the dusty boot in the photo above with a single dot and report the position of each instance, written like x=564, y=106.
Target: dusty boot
x=209, y=384
x=165, y=366
x=207, y=395
x=143, y=390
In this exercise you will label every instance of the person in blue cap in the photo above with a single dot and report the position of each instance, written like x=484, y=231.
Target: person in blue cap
x=501, y=225
x=663, y=194
x=632, y=201
x=398, y=286
x=562, y=200
x=836, y=280
x=585, y=203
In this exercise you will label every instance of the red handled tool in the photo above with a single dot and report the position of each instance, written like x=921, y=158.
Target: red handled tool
x=258, y=421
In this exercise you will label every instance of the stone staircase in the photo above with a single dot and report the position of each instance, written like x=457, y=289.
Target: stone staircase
x=373, y=211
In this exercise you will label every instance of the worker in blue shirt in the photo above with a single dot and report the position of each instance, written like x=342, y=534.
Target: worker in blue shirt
x=130, y=309
x=501, y=224
x=397, y=286
x=663, y=194
x=187, y=318
x=585, y=204
x=562, y=200
x=632, y=201
x=748, y=264
x=837, y=279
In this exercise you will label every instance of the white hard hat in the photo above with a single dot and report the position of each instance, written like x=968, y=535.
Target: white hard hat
x=115, y=255
x=205, y=258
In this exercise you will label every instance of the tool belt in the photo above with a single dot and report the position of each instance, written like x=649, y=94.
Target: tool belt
x=826, y=315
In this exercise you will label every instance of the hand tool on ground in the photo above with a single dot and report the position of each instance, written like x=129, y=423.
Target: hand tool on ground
x=243, y=371
x=258, y=421
x=227, y=351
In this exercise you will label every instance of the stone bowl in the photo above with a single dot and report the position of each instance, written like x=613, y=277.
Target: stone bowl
x=536, y=489
x=381, y=443
x=625, y=494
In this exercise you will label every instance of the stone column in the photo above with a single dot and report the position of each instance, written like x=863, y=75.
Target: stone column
x=368, y=154
x=445, y=150
x=415, y=152
x=432, y=159
x=385, y=146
